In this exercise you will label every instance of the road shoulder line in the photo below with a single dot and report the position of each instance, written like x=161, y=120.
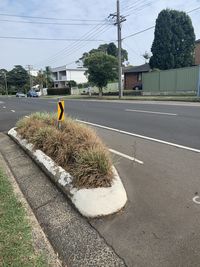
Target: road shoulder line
x=140, y=136
x=151, y=112
x=125, y=156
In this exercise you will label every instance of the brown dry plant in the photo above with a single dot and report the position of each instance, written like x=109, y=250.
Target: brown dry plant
x=75, y=147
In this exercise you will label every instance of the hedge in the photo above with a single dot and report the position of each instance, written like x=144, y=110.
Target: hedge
x=125, y=93
x=59, y=91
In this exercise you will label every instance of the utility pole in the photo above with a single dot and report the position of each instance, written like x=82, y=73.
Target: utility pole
x=30, y=77
x=198, y=89
x=6, y=83
x=119, y=20
x=119, y=35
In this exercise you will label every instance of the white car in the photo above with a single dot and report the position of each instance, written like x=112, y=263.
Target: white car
x=38, y=93
x=20, y=94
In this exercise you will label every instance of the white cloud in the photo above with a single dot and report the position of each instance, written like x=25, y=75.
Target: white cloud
x=31, y=52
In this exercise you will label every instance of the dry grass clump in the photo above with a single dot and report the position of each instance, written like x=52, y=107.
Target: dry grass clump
x=74, y=147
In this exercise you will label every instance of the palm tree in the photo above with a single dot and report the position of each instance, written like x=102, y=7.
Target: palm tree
x=40, y=79
x=48, y=76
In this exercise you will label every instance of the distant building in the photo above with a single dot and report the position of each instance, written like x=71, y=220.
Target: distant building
x=62, y=75
x=34, y=73
x=197, y=52
x=133, y=75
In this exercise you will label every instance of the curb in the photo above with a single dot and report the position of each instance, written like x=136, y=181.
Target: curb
x=90, y=203
x=40, y=241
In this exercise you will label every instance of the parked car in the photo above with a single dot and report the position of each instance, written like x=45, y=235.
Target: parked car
x=32, y=93
x=20, y=94
x=137, y=86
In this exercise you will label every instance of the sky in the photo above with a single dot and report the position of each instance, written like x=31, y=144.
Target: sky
x=93, y=28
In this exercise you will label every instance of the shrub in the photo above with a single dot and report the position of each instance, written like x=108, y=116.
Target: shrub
x=74, y=147
x=59, y=91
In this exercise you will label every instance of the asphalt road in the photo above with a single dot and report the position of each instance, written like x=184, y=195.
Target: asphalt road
x=160, y=225
x=172, y=123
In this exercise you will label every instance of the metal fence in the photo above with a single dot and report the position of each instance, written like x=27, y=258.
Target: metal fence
x=175, y=81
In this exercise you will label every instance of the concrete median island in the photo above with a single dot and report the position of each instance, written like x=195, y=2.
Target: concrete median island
x=76, y=160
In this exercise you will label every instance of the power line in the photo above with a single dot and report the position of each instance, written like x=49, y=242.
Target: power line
x=195, y=9
x=152, y=27
x=139, y=8
x=47, y=23
x=91, y=34
x=48, y=18
x=124, y=4
x=129, y=47
x=48, y=39
x=68, y=48
x=136, y=33
x=86, y=35
x=71, y=50
x=132, y=5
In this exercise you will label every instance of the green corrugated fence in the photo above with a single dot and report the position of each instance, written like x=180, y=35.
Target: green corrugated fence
x=175, y=81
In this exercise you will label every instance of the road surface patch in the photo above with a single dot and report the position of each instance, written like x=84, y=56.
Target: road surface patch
x=151, y=112
x=91, y=203
x=140, y=136
x=125, y=156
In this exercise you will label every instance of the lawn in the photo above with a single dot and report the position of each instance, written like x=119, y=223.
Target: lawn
x=16, y=244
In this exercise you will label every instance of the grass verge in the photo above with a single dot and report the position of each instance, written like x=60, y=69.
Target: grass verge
x=141, y=98
x=16, y=247
x=74, y=147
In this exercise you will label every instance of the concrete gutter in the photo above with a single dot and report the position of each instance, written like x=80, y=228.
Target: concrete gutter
x=90, y=203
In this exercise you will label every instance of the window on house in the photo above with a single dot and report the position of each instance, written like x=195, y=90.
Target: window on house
x=139, y=77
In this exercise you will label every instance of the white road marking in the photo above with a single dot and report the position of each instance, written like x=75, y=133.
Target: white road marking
x=151, y=112
x=12, y=110
x=4, y=107
x=140, y=136
x=195, y=200
x=125, y=156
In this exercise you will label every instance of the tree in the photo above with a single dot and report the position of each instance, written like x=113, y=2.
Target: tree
x=3, y=73
x=146, y=56
x=112, y=50
x=109, y=49
x=48, y=75
x=18, y=77
x=40, y=79
x=174, y=41
x=72, y=83
x=102, y=68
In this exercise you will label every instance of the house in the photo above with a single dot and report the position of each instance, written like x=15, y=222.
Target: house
x=62, y=75
x=133, y=75
x=197, y=52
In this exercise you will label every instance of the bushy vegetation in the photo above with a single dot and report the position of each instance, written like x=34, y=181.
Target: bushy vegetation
x=174, y=41
x=74, y=147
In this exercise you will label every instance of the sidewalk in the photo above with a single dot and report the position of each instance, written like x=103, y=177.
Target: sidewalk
x=72, y=237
